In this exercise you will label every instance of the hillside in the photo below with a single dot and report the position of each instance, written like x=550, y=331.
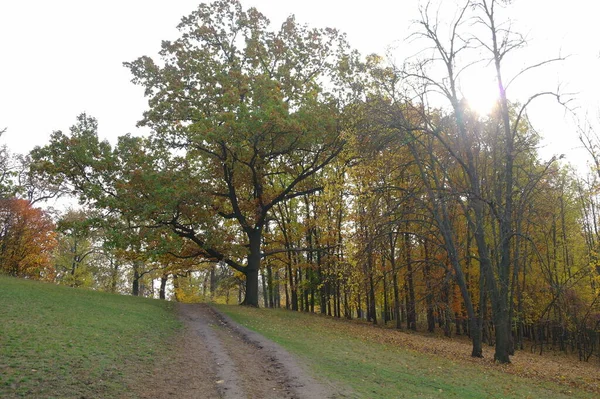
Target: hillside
x=62, y=342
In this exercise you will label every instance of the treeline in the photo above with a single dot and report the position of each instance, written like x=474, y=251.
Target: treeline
x=284, y=169
x=376, y=249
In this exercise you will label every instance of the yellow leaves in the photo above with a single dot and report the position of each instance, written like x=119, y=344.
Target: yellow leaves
x=185, y=296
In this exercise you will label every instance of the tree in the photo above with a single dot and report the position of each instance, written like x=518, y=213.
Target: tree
x=74, y=250
x=27, y=239
x=248, y=111
x=8, y=171
x=451, y=54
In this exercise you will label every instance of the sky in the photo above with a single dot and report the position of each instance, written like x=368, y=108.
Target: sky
x=62, y=57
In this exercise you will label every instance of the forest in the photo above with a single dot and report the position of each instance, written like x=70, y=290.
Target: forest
x=283, y=169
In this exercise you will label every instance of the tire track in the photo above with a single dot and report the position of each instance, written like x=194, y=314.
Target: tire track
x=247, y=365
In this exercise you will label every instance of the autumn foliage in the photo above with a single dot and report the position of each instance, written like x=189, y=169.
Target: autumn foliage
x=27, y=239
x=362, y=201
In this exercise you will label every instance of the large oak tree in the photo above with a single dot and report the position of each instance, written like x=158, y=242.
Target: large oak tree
x=242, y=118
x=249, y=106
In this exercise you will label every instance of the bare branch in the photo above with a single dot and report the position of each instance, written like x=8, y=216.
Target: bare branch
x=534, y=66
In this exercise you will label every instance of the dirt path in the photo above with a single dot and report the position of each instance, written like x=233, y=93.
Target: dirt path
x=217, y=358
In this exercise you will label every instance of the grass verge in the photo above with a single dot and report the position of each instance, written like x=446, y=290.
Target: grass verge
x=350, y=356
x=59, y=342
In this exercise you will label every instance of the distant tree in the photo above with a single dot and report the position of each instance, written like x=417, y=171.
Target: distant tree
x=77, y=245
x=30, y=186
x=27, y=239
x=7, y=171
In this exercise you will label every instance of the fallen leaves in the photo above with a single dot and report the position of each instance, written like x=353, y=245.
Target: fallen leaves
x=559, y=368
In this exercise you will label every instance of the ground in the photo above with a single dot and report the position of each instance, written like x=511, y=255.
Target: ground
x=218, y=358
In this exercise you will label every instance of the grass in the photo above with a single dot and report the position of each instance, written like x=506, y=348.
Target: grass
x=340, y=352
x=59, y=342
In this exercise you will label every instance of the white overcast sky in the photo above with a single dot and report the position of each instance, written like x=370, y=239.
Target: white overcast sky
x=59, y=58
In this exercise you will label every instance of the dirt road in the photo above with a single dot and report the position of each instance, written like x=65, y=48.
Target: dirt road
x=217, y=358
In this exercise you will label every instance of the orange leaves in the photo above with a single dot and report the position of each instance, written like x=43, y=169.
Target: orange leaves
x=27, y=238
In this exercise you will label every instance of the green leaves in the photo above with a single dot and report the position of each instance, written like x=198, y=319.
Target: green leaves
x=246, y=104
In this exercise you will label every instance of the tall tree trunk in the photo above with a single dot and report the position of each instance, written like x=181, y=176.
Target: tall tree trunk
x=386, y=315
x=498, y=300
x=298, y=276
x=287, y=271
x=264, y=288
x=252, y=268
x=428, y=288
x=372, y=307
x=306, y=290
x=392, y=242
x=411, y=313
x=276, y=290
x=440, y=213
x=293, y=290
x=270, y=286
x=500, y=297
x=445, y=307
x=338, y=308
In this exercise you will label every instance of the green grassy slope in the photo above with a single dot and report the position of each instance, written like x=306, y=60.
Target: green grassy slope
x=69, y=343
x=337, y=351
x=57, y=342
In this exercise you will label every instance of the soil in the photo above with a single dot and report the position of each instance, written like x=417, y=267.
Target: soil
x=217, y=358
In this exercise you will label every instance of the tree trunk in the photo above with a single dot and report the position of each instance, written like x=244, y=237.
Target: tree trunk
x=386, y=317
x=285, y=287
x=372, y=307
x=293, y=290
x=411, y=313
x=264, y=287
x=339, y=299
x=135, y=286
x=498, y=301
x=395, y=282
x=440, y=213
x=501, y=319
x=252, y=268
x=306, y=290
x=276, y=290
x=163, y=284
x=347, y=309
x=270, y=287
x=429, y=289
x=213, y=280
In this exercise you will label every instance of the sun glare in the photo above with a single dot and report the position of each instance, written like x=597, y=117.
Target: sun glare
x=480, y=92
x=482, y=104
